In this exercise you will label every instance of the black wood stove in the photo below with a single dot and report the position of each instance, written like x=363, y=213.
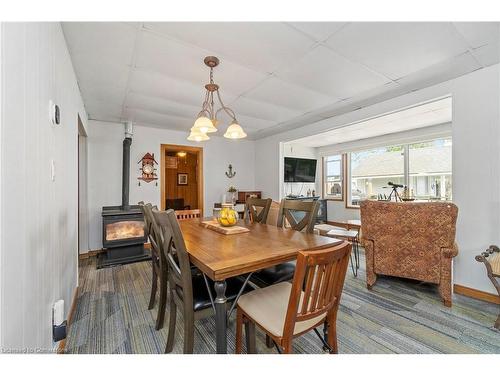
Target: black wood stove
x=123, y=235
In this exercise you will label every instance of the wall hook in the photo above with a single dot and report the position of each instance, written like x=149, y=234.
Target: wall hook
x=230, y=173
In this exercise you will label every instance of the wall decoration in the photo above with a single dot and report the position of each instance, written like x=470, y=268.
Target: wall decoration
x=171, y=162
x=230, y=173
x=182, y=178
x=147, y=168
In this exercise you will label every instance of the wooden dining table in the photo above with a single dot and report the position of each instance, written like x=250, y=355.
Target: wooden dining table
x=220, y=256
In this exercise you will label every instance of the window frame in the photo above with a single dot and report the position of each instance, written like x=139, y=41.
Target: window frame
x=324, y=194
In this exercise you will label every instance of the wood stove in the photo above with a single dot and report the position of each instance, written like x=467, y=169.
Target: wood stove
x=123, y=235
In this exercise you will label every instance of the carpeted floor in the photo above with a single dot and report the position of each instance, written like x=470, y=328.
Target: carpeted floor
x=397, y=316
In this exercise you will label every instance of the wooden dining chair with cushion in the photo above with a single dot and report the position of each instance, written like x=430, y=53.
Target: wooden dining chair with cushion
x=187, y=214
x=158, y=263
x=257, y=209
x=284, y=311
x=300, y=216
x=190, y=293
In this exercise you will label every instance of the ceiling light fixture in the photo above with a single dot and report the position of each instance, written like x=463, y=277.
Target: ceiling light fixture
x=207, y=118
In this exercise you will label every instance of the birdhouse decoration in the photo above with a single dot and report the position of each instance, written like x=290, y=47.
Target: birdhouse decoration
x=148, y=169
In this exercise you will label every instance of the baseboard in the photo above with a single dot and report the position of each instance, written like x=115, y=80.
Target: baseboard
x=90, y=253
x=93, y=253
x=62, y=344
x=477, y=294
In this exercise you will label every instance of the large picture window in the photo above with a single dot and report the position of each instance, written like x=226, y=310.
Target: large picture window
x=430, y=170
x=371, y=170
x=424, y=168
x=333, y=177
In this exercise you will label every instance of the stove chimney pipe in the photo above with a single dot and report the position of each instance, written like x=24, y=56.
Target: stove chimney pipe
x=127, y=141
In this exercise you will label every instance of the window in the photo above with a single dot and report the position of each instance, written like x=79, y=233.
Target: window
x=430, y=170
x=333, y=181
x=371, y=170
x=424, y=168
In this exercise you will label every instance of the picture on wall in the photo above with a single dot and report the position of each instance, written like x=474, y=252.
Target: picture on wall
x=182, y=178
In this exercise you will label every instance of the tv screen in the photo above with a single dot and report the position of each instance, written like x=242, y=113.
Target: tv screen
x=300, y=170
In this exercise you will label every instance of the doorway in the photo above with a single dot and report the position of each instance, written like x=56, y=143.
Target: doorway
x=83, y=225
x=181, y=177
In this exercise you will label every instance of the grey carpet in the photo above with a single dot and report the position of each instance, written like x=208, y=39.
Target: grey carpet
x=397, y=316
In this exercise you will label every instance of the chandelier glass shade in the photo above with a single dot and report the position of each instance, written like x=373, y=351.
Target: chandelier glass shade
x=197, y=135
x=235, y=131
x=207, y=121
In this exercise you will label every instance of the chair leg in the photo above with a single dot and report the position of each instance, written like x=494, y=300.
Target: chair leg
x=332, y=333
x=171, y=325
x=188, y=333
x=287, y=347
x=269, y=342
x=250, y=337
x=154, y=285
x=163, y=303
x=497, y=323
x=239, y=330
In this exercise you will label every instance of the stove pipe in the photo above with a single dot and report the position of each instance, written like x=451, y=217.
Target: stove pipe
x=127, y=141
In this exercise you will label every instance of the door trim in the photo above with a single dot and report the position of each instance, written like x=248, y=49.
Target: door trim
x=199, y=153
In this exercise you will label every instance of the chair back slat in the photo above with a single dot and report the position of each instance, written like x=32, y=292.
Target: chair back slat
x=251, y=206
x=317, y=284
x=309, y=211
x=187, y=214
x=174, y=248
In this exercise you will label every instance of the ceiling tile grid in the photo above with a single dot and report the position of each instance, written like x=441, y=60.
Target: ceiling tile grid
x=276, y=76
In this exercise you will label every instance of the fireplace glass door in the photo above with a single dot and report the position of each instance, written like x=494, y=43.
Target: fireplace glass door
x=123, y=230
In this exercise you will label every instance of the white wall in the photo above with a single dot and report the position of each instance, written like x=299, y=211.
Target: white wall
x=39, y=253
x=476, y=162
x=105, y=167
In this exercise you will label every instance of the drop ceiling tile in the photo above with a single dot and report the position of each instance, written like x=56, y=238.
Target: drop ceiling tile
x=103, y=110
x=109, y=41
x=262, y=110
x=154, y=84
x=262, y=46
x=478, y=34
x=488, y=54
x=327, y=72
x=164, y=121
x=284, y=94
x=400, y=48
x=160, y=105
x=440, y=72
x=319, y=31
x=176, y=59
x=103, y=92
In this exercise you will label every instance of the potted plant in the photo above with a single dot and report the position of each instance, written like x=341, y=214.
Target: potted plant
x=233, y=191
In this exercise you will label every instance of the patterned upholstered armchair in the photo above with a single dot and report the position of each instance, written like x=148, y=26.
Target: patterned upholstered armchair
x=411, y=240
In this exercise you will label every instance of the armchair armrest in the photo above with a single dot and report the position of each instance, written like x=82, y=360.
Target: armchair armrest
x=450, y=252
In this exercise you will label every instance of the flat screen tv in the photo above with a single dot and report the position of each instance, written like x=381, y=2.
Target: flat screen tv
x=300, y=170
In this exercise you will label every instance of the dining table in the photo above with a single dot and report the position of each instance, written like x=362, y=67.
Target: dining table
x=221, y=256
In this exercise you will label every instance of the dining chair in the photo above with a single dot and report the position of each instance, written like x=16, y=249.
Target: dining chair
x=187, y=214
x=251, y=209
x=285, y=311
x=300, y=216
x=192, y=293
x=158, y=263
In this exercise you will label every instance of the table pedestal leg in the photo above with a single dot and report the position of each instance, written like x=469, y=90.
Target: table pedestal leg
x=220, y=316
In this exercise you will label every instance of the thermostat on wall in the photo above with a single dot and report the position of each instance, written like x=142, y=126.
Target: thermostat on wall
x=54, y=113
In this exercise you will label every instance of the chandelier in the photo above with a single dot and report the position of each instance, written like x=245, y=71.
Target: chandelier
x=207, y=117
